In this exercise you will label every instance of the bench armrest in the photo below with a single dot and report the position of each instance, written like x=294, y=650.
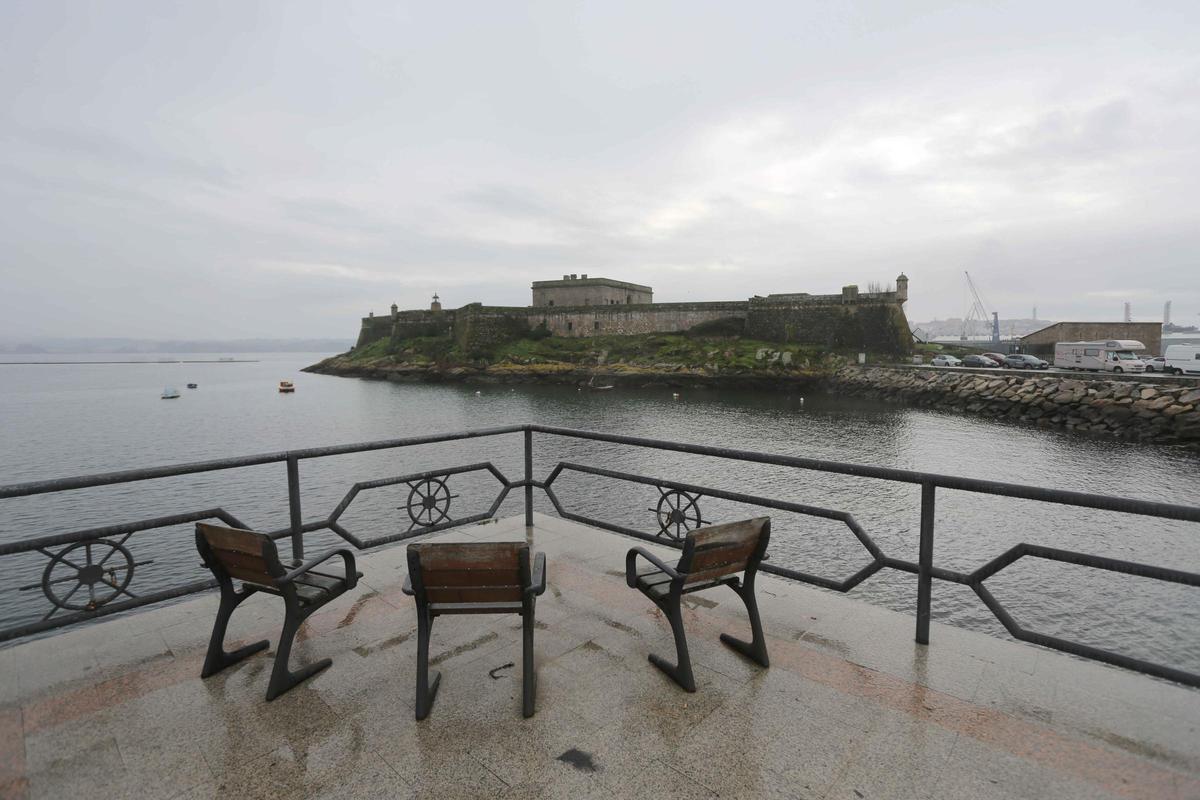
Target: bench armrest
x=347, y=558
x=538, y=576
x=631, y=565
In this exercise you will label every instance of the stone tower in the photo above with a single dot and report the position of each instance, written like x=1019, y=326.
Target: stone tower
x=436, y=305
x=902, y=287
x=395, y=312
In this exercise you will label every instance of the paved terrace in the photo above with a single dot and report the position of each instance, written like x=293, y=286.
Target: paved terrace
x=850, y=708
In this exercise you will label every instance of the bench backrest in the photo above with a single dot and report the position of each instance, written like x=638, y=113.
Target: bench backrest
x=720, y=550
x=469, y=572
x=245, y=555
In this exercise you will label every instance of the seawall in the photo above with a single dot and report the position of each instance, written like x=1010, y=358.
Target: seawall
x=1129, y=408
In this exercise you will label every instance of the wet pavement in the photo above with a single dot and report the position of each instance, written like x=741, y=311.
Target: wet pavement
x=851, y=707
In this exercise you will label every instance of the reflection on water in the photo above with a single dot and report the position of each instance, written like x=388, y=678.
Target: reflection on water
x=83, y=418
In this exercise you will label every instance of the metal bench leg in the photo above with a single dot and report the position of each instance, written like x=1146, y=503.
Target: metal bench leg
x=216, y=659
x=529, y=678
x=425, y=692
x=282, y=679
x=681, y=673
x=756, y=649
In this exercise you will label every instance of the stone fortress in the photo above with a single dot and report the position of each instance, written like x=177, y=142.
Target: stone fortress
x=579, y=306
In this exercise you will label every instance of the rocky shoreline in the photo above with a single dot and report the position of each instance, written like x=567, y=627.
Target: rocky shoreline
x=659, y=376
x=1128, y=409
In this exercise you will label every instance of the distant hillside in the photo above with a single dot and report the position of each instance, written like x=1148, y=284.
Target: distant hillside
x=941, y=328
x=129, y=346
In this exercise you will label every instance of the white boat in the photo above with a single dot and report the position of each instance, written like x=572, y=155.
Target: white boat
x=170, y=393
x=286, y=387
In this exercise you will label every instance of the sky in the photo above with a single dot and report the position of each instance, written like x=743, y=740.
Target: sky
x=237, y=169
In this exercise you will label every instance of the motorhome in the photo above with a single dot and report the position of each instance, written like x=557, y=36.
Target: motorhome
x=1183, y=359
x=1114, y=355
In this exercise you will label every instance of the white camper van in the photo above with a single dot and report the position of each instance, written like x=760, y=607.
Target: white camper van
x=1183, y=359
x=1115, y=355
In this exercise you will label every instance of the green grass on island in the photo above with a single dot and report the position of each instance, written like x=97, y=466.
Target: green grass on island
x=648, y=353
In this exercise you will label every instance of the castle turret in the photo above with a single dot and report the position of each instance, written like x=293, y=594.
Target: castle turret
x=395, y=312
x=436, y=304
x=902, y=287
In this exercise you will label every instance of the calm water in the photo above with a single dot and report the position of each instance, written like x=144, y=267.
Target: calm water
x=78, y=419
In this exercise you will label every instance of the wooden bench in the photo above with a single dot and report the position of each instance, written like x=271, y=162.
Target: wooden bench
x=252, y=558
x=711, y=557
x=473, y=578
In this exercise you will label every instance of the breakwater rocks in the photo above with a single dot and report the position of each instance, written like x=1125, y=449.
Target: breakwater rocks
x=1164, y=412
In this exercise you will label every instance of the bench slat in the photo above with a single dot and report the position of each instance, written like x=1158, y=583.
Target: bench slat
x=470, y=577
x=469, y=555
x=476, y=608
x=473, y=594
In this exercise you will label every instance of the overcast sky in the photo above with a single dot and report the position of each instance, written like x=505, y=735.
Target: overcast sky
x=233, y=169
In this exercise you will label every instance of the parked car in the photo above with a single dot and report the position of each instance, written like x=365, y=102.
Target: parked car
x=944, y=360
x=1023, y=361
x=1158, y=364
x=979, y=361
x=997, y=357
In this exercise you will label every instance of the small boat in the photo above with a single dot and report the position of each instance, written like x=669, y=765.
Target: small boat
x=591, y=385
x=193, y=386
x=286, y=386
x=170, y=393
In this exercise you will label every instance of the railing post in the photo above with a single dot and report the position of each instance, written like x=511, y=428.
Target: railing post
x=293, y=474
x=925, y=564
x=528, y=478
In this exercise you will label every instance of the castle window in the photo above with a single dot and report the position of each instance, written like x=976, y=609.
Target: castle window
x=570, y=326
x=596, y=325
x=628, y=299
x=550, y=303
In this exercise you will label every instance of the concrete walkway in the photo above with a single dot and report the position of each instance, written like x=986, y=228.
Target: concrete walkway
x=850, y=708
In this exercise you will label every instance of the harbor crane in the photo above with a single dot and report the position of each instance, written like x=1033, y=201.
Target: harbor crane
x=978, y=311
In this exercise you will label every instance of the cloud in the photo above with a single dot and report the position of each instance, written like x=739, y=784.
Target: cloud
x=279, y=168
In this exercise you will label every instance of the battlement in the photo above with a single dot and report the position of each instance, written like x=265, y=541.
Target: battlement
x=579, y=306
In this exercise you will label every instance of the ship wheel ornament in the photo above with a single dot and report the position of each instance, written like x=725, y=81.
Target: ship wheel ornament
x=87, y=575
x=678, y=512
x=428, y=502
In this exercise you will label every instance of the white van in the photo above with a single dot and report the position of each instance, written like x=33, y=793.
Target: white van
x=1183, y=359
x=1114, y=355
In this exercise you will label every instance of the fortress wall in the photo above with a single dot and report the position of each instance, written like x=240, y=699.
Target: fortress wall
x=477, y=326
x=866, y=326
x=835, y=322
x=422, y=323
x=628, y=320
x=826, y=299
x=406, y=325
x=373, y=329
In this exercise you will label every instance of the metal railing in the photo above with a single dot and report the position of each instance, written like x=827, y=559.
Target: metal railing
x=108, y=565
